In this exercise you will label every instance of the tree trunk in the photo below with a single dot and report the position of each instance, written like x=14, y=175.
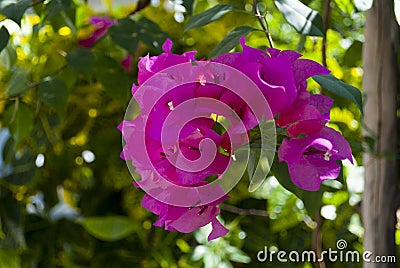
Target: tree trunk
x=380, y=84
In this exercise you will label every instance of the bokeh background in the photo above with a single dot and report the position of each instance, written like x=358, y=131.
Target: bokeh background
x=66, y=196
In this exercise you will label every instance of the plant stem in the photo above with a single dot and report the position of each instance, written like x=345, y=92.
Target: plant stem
x=53, y=73
x=242, y=211
x=264, y=24
x=327, y=10
x=317, y=240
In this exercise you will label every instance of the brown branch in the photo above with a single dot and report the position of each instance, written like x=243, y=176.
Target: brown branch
x=327, y=11
x=140, y=5
x=56, y=71
x=263, y=23
x=34, y=84
x=317, y=241
x=244, y=212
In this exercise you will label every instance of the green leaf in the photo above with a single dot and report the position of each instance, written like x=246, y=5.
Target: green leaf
x=4, y=36
x=113, y=78
x=11, y=223
x=19, y=119
x=8, y=56
x=60, y=13
x=312, y=200
x=54, y=93
x=82, y=60
x=188, y=4
x=208, y=16
x=353, y=55
x=62, y=19
x=340, y=88
x=110, y=228
x=9, y=150
x=304, y=19
x=231, y=40
x=151, y=34
x=281, y=173
x=56, y=6
x=22, y=168
x=14, y=9
x=254, y=155
x=264, y=149
x=19, y=82
x=125, y=34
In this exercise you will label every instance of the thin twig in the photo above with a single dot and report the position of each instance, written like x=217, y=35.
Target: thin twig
x=34, y=84
x=327, y=10
x=56, y=71
x=317, y=241
x=244, y=212
x=140, y=5
x=264, y=24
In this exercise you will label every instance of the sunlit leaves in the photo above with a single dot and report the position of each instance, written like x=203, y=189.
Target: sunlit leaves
x=111, y=228
x=230, y=40
x=336, y=86
x=14, y=9
x=9, y=258
x=4, y=36
x=345, y=6
x=208, y=16
x=305, y=20
x=19, y=119
x=54, y=93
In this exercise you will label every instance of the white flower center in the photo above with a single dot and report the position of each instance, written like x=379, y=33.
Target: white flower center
x=327, y=156
x=171, y=105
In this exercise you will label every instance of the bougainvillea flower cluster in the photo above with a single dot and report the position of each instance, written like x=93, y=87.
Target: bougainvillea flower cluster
x=309, y=147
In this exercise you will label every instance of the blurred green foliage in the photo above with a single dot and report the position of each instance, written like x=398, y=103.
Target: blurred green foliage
x=67, y=199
